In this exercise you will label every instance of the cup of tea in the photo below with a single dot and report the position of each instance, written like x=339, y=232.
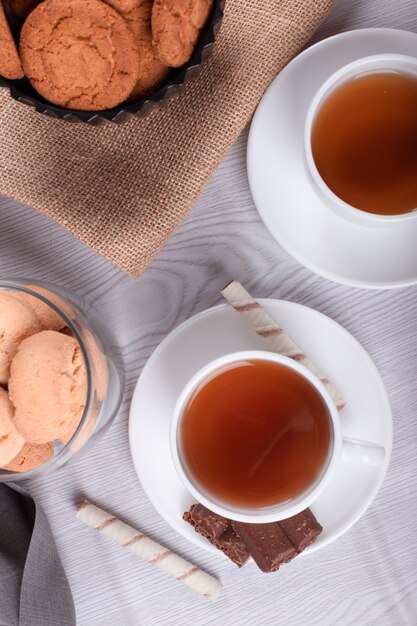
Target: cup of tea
x=360, y=140
x=256, y=437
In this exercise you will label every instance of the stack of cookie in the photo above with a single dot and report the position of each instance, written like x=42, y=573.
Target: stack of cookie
x=93, y=55
x=43, y=379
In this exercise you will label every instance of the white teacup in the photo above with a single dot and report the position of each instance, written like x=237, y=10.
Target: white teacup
x=366, y=65
x=340, y=448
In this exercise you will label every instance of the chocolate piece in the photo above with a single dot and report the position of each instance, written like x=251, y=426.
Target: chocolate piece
x=301, y=529
x=268, y=544
x=218, y=530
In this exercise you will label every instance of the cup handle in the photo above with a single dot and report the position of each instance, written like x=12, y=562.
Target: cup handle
x=362, y=451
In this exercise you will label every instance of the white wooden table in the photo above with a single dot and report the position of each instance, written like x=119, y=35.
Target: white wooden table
x=367, y=577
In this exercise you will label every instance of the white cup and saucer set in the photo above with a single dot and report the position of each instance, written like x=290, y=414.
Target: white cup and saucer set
x=191, y=351
x=331, y=237
x=309, y=221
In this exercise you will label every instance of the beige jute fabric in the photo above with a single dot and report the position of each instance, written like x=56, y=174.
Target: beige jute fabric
x=123, y=189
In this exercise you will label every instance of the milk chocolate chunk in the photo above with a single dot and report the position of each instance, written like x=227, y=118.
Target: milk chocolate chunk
x=301, y=529
x=268, y=544
x=218, y=530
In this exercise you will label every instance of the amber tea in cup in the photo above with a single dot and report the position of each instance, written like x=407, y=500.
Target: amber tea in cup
x=255, y=433
x=364, y=142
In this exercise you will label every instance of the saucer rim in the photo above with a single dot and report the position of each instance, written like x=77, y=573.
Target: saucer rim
x=251, y=167
x=263, y=301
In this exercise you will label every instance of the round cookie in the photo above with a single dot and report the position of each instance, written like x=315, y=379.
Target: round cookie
x=79, y=54
x=137, y=14
x=176, y=26
x=48, y=318
x=10, y=65
x=11, y=442
x=32, y=455
x=17, y=321
x=47, y=386
x=98, y=361
x=152, y=71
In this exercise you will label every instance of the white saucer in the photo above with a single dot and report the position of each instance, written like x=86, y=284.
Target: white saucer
x=285, y=197
x=221, y=330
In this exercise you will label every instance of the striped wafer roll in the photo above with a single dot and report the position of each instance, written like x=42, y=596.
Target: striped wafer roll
x=276, y=339
x=153, y=552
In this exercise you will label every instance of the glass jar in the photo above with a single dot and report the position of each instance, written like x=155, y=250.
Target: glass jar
x=103, y=374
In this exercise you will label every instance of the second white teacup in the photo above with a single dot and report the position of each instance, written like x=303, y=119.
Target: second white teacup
x=338, y=448
x=379, y=63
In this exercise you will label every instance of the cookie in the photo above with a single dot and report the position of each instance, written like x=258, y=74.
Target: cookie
x=48, y=318
x=152, y=71
x=11, y=442
x=136, y=11
x=79, y=54
x=176, y=26
x=47, y=386
x=10, y=65
x=17, y=321
x=98, y=361
x=32, y=455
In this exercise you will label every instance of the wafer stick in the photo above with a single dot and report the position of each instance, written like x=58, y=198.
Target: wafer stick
x=274, y=336
x=153, y=552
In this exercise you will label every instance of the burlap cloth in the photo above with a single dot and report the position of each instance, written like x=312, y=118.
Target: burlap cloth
x=123, y=189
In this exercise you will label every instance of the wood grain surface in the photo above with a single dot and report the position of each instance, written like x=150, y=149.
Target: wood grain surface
x=369, y=576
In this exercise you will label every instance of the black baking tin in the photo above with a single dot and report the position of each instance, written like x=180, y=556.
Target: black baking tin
x=22, y=90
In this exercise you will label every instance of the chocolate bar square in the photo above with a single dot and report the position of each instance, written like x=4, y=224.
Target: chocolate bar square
x=218, y=530
x=301, y=529
x=268, y=544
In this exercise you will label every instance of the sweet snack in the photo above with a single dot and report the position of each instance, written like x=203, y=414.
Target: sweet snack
x=47, y=386
x=270, y=545
x=48, y=318
x=152, y=71
x=92, y=55
x=301, y=529
x=11, y=442
x=17, y=321
x=45, y=379
x=10, y=65
x=137, y=12
x=273, y=335
x=97, y=359
x=218, y=530
x=32, y=455
x=176, y=26
x=152, y=552
x=79, y=54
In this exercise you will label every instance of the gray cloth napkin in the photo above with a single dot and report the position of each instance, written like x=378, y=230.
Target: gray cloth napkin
x=34, y=589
